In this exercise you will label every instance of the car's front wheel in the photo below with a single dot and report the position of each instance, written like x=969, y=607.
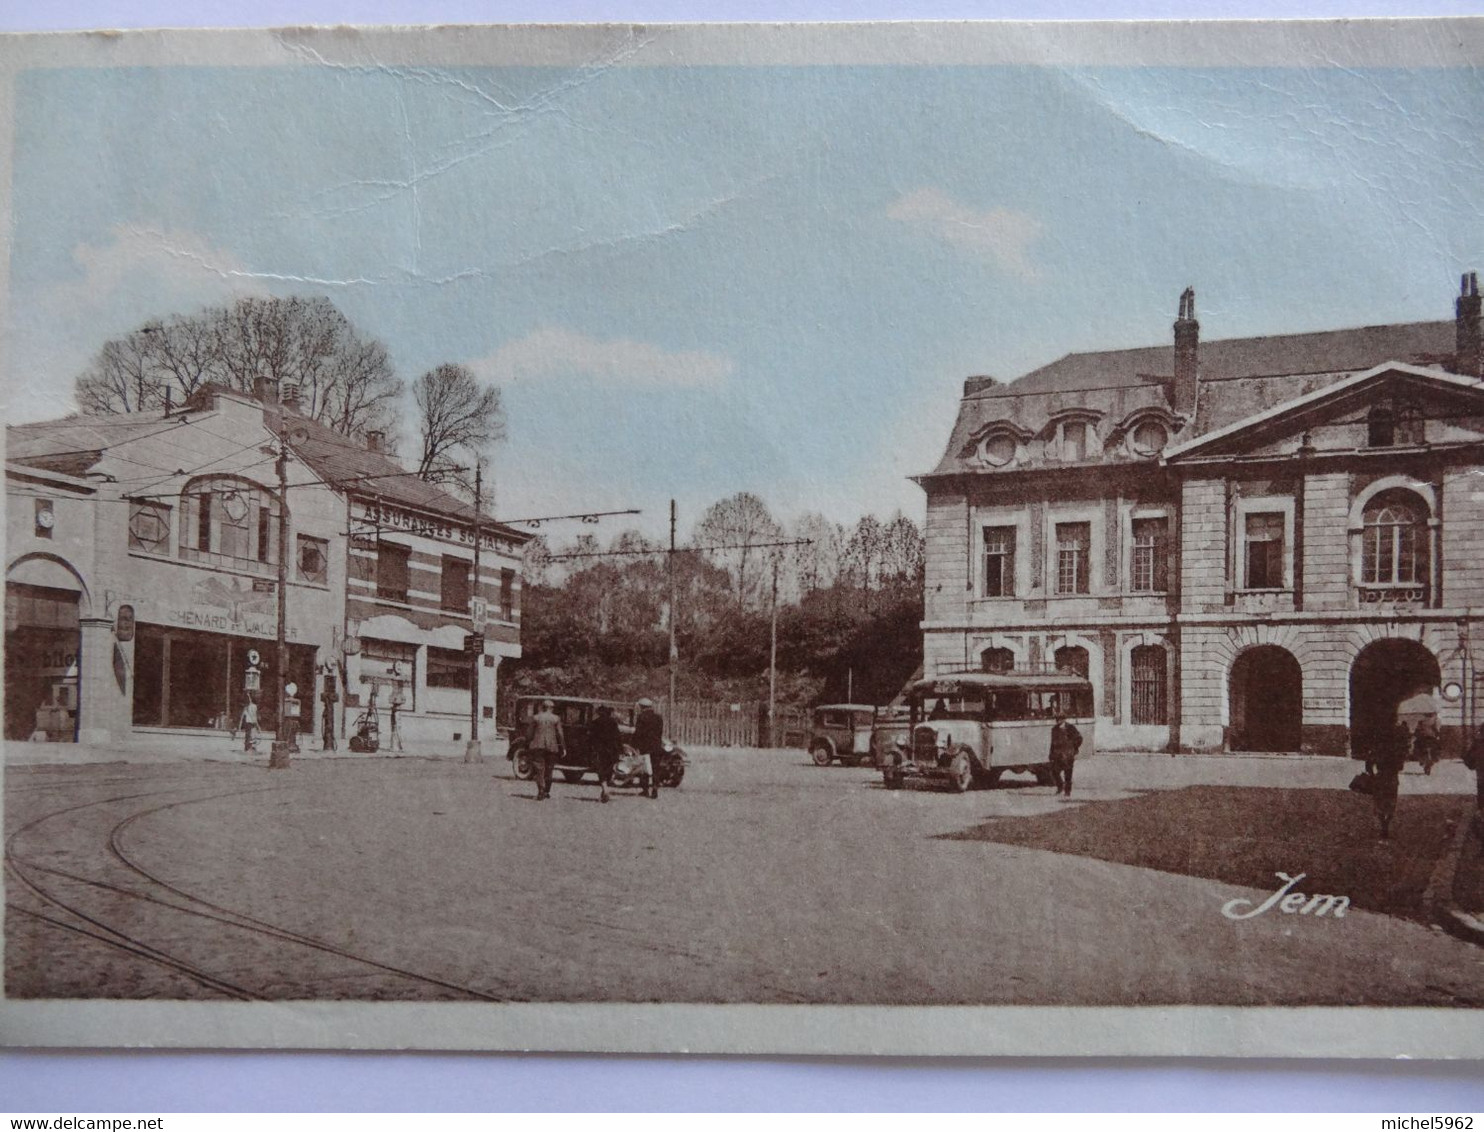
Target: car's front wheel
x=525, y=766
x=960, y=772
x=822, y=755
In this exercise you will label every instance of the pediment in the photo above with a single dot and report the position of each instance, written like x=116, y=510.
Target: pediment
x=1425, y=407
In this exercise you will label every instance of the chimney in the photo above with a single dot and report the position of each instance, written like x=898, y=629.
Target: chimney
x=1467, y=359
x=374, y=440
x=1186, y=383
x=291, y=396
x=265, y=389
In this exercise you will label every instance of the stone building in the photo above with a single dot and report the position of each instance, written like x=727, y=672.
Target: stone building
x=1246, y=544
x=142, y=559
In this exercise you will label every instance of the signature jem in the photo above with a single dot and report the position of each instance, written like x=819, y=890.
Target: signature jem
x=1287, y=901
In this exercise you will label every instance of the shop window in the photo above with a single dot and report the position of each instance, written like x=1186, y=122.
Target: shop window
x=1147, y=685
x=1073, y=553
x=997, y=660
x=1264, y=550
x=1394, y=540
x=507, y=594
x=448, y=668
x=149, y=527
x=1149, y=568
x=393, y=571
x=999, y=561
x=455, y=584
x=314, y=560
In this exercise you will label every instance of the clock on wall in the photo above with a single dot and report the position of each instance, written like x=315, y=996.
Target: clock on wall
x=45, y=518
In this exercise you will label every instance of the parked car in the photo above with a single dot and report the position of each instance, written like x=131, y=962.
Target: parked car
x=577, y=715
x=842, y=732
x=968, y=729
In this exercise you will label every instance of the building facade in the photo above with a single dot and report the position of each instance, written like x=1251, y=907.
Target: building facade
x=1246, y=544
x=142, y=564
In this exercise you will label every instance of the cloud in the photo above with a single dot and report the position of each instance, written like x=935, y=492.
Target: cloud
x=1003, y=234
x=555, y=352
x=135, y=275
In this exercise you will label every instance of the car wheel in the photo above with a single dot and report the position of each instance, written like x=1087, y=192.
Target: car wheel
x=960, y=772
x=525, y=766
x=671, y=776
x=821, y=755
x=573, y=775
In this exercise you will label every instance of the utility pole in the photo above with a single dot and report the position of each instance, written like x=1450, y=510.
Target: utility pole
x=472, y=752
x=773, y=661
x=278, y=753
x=674, y=652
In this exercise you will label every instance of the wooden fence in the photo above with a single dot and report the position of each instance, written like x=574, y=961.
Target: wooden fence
x=704, y=723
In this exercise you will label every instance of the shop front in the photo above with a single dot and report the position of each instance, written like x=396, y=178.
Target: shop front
x=189, y=678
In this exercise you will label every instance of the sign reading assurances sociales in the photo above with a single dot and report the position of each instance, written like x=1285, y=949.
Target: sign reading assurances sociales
x=415, y=522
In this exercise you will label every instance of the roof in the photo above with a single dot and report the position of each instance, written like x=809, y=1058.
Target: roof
x=1324, y=351
x=347, y=465
x=1240, y=379
x=75, y=444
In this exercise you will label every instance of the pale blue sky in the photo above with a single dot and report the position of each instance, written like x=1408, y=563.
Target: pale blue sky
x=697, y=280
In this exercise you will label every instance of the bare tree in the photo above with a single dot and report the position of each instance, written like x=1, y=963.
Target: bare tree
x=816, y=563
x=738, y=525
x=861, y=558
x=902, y=552
x=345, y=380
x=454, y=414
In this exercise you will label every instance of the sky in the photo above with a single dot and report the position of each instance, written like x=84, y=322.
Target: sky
x=693, y=281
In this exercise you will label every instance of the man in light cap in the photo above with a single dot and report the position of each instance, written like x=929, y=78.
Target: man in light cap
x=547, y=743
x=649, y=741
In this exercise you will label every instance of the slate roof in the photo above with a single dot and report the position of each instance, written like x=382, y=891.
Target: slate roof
x=1240, y=377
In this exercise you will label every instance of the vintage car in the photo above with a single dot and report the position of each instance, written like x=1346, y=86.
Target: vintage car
x=843, y=732
x=577, y=715
x=968, y=729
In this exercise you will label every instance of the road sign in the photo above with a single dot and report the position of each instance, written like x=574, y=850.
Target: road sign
x=474, y=643
x=481, y=612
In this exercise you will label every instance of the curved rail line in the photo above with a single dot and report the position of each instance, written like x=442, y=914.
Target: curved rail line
x=18, y=866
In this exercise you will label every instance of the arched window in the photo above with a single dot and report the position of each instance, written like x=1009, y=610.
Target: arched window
x=997, y=660
x=228, y=521
x=1072, y=658
x=1394, y=542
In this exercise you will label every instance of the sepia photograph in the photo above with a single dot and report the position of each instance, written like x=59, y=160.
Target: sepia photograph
x=885, y=538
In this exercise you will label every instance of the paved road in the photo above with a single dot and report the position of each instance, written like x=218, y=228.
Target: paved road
x=762, y=879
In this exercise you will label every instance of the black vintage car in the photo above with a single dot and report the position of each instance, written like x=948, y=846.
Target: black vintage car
x=577, y=715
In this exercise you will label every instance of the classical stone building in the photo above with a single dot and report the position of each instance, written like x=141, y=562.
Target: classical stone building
x=1246, y=544
x=142, y=562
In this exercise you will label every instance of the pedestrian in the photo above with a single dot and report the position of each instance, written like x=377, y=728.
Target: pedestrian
x=394, y=741
x=248, y=723
x=607, y=745
x=1389, y=756
x=1427, y=744
x=649, y=741
x=546, y=743
x=1066, y=740
x=1473, y=758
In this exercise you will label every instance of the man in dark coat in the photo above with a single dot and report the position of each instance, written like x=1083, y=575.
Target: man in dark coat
x=1389, y=756
x=1066, y=740
x=545, y=742
x=649, y=741
x=607, y=744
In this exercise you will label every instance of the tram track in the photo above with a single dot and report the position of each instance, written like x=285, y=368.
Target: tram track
x=41, y=880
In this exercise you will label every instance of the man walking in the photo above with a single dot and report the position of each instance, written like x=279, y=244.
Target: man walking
x=607, y=743
x=649, y=741
x=249, y=722
x=546, y=742
x=1066, y=740
x=1390, y=757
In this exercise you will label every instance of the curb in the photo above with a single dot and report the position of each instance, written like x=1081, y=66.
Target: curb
x=1439, y=895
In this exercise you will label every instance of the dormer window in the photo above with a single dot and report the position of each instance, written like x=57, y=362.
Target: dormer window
x=1073, y=440
x=1149, y=438
x=997, y=449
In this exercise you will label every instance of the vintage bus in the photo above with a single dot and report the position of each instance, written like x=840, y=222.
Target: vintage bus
x=969, y=728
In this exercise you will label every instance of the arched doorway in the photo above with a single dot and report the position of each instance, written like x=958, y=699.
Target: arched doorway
x=1384, y=674
x=1267, y=707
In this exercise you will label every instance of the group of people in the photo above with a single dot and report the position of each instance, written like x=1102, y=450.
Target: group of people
x=1388, y=754
x=546, y=743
